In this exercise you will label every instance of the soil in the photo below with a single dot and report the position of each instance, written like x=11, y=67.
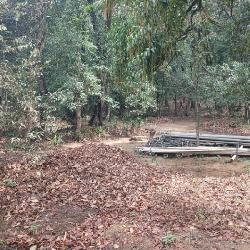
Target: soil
x=196, y=166
x=173, y=125
x=62, y=219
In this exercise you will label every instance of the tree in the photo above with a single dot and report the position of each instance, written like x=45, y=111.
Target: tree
x=70, y=57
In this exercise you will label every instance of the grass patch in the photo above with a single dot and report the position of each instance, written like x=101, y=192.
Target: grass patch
x=168, y=239
x=10, y=183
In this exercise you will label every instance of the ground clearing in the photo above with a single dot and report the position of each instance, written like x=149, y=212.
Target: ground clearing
x=196, y=166
x=92, y=196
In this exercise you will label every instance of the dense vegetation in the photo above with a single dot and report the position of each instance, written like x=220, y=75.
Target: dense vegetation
x=64, y=60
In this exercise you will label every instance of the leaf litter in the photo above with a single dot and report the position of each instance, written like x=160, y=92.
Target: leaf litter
x=84, y=198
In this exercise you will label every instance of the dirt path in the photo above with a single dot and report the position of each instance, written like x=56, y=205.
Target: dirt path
x=196, y=166
x=175, y=125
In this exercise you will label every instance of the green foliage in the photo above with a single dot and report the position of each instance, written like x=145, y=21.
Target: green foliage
x=2, y=242
x=231, y=82
x=18, y=68
x=141, y=99
x=201, y=214
x=65, y=57
x=168, y=239
x=57, y=139
x=246, y=169
x=33, y=229
x=15, y=143
x=69, y=56
x=10, y=183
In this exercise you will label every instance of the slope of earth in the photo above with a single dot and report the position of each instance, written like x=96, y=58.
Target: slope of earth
x=218, y=126
x=171, y=125
x=100, y=197
x=225, y=126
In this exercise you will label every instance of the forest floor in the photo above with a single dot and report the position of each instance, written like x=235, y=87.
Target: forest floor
x=94, y=195
x=197, y=166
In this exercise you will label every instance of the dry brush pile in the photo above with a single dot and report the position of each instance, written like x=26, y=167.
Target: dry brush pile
x=99, y=196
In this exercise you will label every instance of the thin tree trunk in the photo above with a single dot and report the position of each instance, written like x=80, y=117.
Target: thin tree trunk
x=106, y=91
x=197, y=111
x=41, y=11
x=246, y=115
x=108, y=113
x=42, y=85
x=78, y=119
x=187, y=107
x=231, y=7
x=1, y=96
x=158, y=104
x=175, y=105
x=97, y=115
x=168, y=107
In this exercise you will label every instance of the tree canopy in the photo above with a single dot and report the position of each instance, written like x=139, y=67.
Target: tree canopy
x=65, y=59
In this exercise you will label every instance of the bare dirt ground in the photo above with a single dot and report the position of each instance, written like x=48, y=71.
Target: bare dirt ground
x=63, y=221
x=173, y=125
x=196, y=166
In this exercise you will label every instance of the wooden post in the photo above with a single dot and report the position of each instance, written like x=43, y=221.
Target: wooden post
x=234, y=157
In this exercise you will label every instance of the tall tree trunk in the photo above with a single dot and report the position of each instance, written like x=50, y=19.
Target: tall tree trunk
x=42, y=85
x=158, y=103
x=108, y=13
x=97, y=116
x=175, y=105
x=197, y=111
x=78, y=118
x=41, y=11
x=247, y=111
x=1, y=96
x=40, y=14
x=106, y=91
x=231, y=7
x=187, y=107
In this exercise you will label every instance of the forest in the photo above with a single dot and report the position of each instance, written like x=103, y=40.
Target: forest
x=104, y=60
x=84, y=84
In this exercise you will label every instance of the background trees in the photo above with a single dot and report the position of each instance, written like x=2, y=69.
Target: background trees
x=65, y=60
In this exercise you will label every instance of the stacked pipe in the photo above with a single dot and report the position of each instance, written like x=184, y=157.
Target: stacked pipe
x=189, y=140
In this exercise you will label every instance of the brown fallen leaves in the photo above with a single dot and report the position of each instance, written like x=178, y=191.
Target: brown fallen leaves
x=98, y=196
x=225, y=126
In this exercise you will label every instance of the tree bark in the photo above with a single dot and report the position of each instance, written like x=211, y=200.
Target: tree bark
x=158, y=104
x=78, y=118
x=41, y=10
x=40, y=15
x=247, y=111
x=231, y=7
x=197, y=111
x=42, y=85
x=99, y=37
x=175, y=105
x=96, y=118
